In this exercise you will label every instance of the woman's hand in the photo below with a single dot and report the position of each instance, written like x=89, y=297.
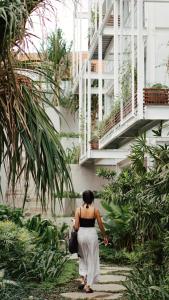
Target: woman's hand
x=73, y=223
x=106, y=241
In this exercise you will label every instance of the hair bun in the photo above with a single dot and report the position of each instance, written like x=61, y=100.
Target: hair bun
x=87, y=206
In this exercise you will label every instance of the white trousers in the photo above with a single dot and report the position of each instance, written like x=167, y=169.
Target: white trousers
x=89, y=265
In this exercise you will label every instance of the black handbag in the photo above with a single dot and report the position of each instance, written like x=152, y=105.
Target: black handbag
x=73, y=243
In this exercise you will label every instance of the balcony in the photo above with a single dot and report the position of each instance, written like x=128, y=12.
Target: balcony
x=121, y=127
x=107, y=22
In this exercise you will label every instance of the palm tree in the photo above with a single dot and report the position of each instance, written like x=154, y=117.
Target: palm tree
x=29, y=144
x=58, y=57
x=58, y=61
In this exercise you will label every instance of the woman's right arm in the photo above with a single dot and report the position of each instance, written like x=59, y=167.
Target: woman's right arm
x=76, y=225
x=101, y=226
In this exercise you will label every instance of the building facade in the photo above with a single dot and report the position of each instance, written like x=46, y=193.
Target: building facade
x=123, y=84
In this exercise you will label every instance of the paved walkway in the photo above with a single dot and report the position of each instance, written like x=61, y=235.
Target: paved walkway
x=109, y=286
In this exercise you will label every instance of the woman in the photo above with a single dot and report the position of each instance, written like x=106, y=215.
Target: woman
x=88, y=241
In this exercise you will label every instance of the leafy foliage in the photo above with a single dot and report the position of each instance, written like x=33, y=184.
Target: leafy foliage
x=29, y=144
x=72, y=155
x=119, y=226
x=137, y=206
x=47, y=264
x=16, y=248
x=149, y=284
x=31, y=249
x=48, y=233
x=58, y=62
x=11, y=214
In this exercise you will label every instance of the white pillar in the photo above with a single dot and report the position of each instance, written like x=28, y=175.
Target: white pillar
x=89, y=21
x=150, y=65
x=74, y=41
x=80, y=112
x=132, y=56
x=121, y=53
x=89, y=108
x=85, y=116
x=140, y=58
x=100, y=67
x=116, y=50
x=76, y=49
x=80, y=42
x=95, y=16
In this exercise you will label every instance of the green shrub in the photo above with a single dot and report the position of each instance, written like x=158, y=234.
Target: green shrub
x=47, y=264
x=49, y=235
x=137, y=208
x=47, y=232
x=13, y=214
x=110, y=255
x=147, y=284
x=17, y=245
x=72, y=155
x=34, y=253
x=119, y=226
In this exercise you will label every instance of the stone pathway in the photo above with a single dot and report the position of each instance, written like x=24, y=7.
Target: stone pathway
x=109, y=285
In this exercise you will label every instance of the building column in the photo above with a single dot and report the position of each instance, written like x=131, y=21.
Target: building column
x=140, y=58
x=100, y=66
x=116, y=51
x=121, y=55
x=150, y=63
x=132, y=57
x=80, y=113
x=85, y=115
x=74, y=41
x=89, y=108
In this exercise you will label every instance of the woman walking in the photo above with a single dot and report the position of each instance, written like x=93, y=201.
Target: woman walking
x=85, y=217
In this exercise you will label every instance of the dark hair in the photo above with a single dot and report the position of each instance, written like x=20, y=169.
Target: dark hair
x=88, y=197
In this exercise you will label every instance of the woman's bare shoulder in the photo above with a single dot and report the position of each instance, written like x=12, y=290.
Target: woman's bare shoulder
x=77, y=209
x=96, y=210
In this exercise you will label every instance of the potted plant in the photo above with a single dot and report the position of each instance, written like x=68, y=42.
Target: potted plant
x=95, y=139
x=158, y=94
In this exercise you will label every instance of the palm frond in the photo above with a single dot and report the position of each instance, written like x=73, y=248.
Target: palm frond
x=29, y=144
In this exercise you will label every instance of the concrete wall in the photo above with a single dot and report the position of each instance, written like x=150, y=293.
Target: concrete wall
x=3, y=183
x=83, y=178
x=69, y=122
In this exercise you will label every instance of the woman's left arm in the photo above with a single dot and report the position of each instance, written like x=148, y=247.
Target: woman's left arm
x=76, y=226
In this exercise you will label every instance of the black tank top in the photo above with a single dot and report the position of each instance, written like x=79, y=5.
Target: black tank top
x=85, y=222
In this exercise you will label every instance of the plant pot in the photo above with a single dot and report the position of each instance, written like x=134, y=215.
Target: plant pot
x=94, y=145
x=154, y=96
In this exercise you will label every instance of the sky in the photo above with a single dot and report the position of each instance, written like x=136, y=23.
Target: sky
x=59, y=16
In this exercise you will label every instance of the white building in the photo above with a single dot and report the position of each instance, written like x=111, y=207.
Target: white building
x=123, y=84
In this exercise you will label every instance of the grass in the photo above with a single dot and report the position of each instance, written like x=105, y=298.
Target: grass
x=45, y=291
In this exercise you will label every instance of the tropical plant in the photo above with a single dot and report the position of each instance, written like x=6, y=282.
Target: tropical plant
x=141, y=194
x=118, y=226
x=34, y=252
x=29, y=143
x=68, y=135
x=57, y=53
x=16, y=248
x=11, y=214
x=47, y=232
x=147, y=284
x=72, y=155
x=48, y=264
x=159, y=86
x=49, y=235
x=105, y=173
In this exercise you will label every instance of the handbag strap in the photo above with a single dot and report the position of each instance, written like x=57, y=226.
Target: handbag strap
x=80, y=213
